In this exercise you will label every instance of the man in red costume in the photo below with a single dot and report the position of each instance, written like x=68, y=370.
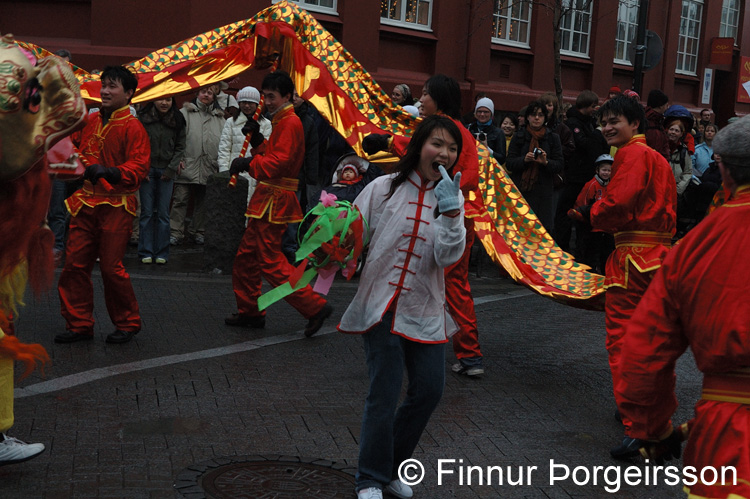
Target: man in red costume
x=441, y=94
x=116, y=149
x=639, y=208
x=275, y=164
x=700, y=298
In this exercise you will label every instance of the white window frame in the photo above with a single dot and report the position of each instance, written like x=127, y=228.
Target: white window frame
x=730, y=19
x=504, y=10
x=314, y=6
x=627, y=24
x=576, y=23
x=688, y=43
x=402, y=6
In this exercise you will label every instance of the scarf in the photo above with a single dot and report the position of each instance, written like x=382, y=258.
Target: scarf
x=531, y=173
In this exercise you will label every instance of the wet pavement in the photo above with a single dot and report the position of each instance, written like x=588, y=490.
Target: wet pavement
x=189, y=394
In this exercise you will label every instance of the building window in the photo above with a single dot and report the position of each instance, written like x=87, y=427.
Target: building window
x=407, y=13
x=690, y=29
x=730, y=18
x=511, y=22
x=627, y=26
x=575, y=27
x=325, y=6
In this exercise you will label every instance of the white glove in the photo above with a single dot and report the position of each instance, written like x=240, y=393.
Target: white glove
x=447, y=192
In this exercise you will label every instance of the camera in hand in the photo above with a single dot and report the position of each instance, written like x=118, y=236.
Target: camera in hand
x=481, y=136
x=537, y=152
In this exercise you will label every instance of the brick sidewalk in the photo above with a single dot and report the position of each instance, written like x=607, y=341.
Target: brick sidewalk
x=546, y=395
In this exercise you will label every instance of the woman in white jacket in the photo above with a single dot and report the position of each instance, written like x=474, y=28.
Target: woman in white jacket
x=416, y=223
x=232, y=137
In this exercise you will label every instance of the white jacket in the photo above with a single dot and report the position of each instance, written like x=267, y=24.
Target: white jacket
x=409, y=250
x=231, y=142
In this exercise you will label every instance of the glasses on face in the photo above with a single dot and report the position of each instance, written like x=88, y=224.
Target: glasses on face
x=537, y=115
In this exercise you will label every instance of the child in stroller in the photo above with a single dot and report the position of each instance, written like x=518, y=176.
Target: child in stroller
x=350, y=177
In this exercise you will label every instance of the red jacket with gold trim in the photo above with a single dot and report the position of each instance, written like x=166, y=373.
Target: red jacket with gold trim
x=641, y=200
x=275, y=165
x=699, y=298
x=122, y=143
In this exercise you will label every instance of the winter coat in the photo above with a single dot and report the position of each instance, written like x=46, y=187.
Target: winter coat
x=567, y=142
x=168, y=139
x=682, y=167
x=204, y=126
x=589, y=145
x=540, y=197
x=495, y=139
x=232, y=139
x=656, y=136
x=308, y=174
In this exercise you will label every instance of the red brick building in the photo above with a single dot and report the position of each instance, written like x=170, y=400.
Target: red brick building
x=503, y=48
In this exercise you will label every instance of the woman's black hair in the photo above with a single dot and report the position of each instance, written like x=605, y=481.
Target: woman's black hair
x=422, y=134
x=446, y=93
x=173, y=118
x=512, y=117
x=532, y=108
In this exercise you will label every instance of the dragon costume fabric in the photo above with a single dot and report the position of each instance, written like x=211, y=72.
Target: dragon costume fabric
x=329, y=77
x=40, y=103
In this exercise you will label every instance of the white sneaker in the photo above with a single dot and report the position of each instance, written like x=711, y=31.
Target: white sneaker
x=161, y=261
x=370, y=493
x=147, y=259
x=399, y=489
x=459, y=368
x=13, y=450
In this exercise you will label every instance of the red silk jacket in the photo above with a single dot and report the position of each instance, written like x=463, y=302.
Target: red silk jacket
x=699, y=298
x=275, y=165
x=122, y=143
x=639, y=208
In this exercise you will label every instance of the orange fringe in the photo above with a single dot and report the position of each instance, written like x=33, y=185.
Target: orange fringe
x=29, y=354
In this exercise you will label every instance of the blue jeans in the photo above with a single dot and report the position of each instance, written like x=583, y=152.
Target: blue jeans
x=389, y=436
x=154, y=223
x=57, y=215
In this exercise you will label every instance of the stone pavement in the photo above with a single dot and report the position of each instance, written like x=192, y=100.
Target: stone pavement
x=127, y=420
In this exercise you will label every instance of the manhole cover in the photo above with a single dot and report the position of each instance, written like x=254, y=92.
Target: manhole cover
x=272, y=477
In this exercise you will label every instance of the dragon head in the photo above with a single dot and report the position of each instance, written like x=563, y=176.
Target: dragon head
x=40, y=103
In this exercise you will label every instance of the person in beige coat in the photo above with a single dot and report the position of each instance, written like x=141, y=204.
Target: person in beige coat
x=205, y=121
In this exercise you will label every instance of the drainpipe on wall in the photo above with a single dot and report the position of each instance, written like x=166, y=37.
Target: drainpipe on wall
x=467, y=59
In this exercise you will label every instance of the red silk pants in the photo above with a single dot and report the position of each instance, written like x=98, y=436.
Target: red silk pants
x=103, y=232
x=260, y=256
x=461, y=303
x=619, y=306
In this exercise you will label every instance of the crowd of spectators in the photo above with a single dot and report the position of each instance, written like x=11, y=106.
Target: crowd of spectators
x=551, y=176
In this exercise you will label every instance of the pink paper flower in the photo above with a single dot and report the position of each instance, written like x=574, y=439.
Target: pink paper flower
x=328, y=200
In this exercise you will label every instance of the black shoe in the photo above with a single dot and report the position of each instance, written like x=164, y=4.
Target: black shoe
x=242, y=320
x=72, y=337
x=629, y=448
x=317, y=320
x=120, y=336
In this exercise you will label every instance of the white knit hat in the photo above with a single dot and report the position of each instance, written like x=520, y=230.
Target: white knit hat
x=248, y=94
x=485, y=102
